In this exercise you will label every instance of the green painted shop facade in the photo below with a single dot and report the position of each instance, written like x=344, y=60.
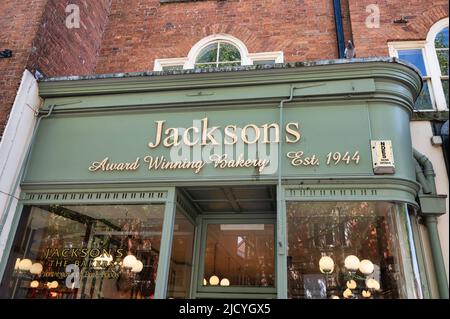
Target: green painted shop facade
x=241, y=183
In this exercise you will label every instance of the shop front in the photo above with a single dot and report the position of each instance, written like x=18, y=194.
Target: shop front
x=284, y=182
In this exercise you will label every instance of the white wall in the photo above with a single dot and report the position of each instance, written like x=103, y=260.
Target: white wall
x=13, y=147
x=421, y=133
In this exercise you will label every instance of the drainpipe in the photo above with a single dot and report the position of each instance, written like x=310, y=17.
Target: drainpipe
x=281, y=217
x=432, y=206
x=281, y=209
x=339, y=28
x=426, y=174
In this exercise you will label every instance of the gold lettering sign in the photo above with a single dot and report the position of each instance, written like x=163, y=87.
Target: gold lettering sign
x=106, y=165
x=170, y=137
x=203, y=134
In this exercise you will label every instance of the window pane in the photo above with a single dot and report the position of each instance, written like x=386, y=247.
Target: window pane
x=208, y=54
x=441, y=40
x=114, y=248
x=337, y=230
x=240, y=255
x=228, y=52
x=442, y=55
x=445, y=87
x=423, y=101
x=415, y=57
x=181, y=259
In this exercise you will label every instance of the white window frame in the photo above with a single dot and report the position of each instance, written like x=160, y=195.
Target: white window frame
x=246, y=57
x=396, y=46
x=431, y=63
x=162, y=63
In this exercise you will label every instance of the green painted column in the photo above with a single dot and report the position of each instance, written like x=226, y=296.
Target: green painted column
x=438, y=259
x=162, y=275
x=281, y=248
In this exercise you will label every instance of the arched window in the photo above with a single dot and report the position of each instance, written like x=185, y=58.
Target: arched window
x=431, y=58
x=441, y=49
x=218, y=50
x=218, y=54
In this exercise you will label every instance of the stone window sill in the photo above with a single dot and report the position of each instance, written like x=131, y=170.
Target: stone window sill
x=430, y=115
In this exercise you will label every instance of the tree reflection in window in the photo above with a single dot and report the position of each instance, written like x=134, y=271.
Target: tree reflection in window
x=442, y=52
x=218, y=54
x=113, y=248
x=363, y=229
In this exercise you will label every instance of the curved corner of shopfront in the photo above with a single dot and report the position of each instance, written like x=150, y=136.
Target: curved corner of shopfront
x=278, y=183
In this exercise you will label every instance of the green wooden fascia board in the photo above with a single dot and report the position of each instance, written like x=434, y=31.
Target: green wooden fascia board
x=382, y=188
x=399, y=190
x=137, y=102
x=116, y=84
x=136, y=185
x=223, y=95
x=95, y=196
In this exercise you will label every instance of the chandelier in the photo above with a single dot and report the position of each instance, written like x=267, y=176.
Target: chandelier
x=359, y=281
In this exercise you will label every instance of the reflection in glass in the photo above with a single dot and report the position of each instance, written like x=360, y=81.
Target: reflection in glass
x=86, y=252
x=423, y=101
x=218, y=54
x=343, y=250
x=181, y=258
x=239, y=255
x=445, y=86
x=441, y=45
x=442, y=52
x=208, y=54
x=415, y=57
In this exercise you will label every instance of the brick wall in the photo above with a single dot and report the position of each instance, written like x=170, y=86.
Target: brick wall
x=58, y=50
x=127, y=35
x=19, y=22
x=421, y=14
x=140, y=31
x=37, y=34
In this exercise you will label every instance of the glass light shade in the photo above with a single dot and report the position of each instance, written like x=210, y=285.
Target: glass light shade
x=214, y=280
x=351, y=262
x=205, y=282
x=225, y=282
x=366, y=294
x=366, y=267
x=25, y=264
x=335, y=297
x=129, y=261
x=16, y=266
x=351, y=284
x=326, y=264
x=52, y=285
x=36, y=268
x=372, y=284
x=347, y=293
x=34, y=284
x=138, y=266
